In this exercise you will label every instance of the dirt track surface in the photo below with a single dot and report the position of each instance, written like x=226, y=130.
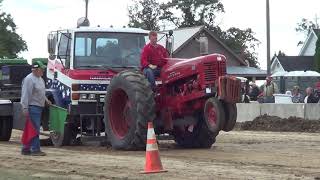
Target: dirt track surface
x=236, y=155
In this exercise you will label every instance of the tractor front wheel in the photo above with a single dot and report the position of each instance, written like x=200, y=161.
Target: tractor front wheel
x=231, y=116
x=64, y=138
x=129, y=106
x=203, y=134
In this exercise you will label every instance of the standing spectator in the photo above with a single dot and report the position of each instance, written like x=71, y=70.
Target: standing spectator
x=254, y=92
x=153, y=58
x=268, y=89
x=317, y=90
x=296, y=95
x=33, y=100
x=310, y=97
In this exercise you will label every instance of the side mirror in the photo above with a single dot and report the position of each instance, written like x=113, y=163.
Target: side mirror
x=52, y=41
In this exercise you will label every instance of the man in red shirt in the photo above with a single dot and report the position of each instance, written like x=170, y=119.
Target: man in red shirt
x=153, y=59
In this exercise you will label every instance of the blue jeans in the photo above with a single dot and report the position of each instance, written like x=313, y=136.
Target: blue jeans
x=151, y=75
x=35, y=116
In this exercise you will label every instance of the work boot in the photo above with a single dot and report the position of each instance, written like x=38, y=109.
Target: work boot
x=38, y=153
x=25, y=152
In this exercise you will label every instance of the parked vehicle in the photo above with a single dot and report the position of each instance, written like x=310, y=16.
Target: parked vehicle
x=12, y=73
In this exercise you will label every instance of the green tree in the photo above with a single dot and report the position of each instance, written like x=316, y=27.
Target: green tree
x=145, y=14
x=281, y=53
x=305, y=26
x=148, y=14
x=204, y=12
x=192, y=12
x=317, y=55
x=10, y=42
x=242, y=42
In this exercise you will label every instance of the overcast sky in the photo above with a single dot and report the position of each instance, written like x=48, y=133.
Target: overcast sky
x=35, y=18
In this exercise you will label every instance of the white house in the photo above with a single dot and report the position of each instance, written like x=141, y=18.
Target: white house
x=309, y=46
x=292, y=63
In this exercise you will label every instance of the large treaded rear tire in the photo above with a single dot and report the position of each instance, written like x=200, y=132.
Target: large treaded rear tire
x=6, y=124
x=129, y=105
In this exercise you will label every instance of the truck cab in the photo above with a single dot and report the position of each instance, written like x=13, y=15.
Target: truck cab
x=81, y=63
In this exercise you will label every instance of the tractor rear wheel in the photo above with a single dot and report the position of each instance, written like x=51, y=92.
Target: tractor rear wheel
x=204, y=133
x=129, y=106
x=6, y=123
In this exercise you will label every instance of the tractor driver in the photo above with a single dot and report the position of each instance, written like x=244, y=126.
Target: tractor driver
x=153, y=59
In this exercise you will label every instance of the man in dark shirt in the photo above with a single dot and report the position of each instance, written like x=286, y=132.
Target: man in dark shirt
x=153, y=59
x=254, y=92
x=310, y=97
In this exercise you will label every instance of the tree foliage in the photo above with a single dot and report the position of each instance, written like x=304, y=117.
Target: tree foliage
x=10, y=42
x=306, y=26
x=194, y=12
x=189, y=13
x=242, y=42
x=145, y=14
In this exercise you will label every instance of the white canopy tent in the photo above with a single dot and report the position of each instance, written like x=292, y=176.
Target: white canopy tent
x=296, y=74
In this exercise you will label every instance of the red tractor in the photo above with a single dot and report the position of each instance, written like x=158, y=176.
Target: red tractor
x=103, y=90
x=193, y=101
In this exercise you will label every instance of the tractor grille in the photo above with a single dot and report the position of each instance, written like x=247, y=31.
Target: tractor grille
x=209, y=71
x=222, y=68
x=212, y=70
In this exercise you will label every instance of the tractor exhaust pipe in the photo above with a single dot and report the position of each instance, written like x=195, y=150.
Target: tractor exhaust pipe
x=169, y=42
x=84, y=21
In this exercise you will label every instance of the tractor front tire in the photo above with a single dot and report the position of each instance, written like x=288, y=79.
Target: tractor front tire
x=199, y=137
x=6, y=123
x=207, y=128
x=129, y=105
x=231, y=116
x=65, y=138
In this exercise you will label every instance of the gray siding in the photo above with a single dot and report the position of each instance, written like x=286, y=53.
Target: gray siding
x=192, y=49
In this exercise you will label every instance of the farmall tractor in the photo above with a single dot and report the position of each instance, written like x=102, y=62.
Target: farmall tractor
x=95, y=74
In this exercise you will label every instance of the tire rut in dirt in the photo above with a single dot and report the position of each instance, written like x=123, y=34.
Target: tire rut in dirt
x=135, y=86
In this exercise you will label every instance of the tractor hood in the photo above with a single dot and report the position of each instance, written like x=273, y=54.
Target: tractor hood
x=180, y=68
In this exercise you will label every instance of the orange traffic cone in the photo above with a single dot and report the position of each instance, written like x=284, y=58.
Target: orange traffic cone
x=153, y=162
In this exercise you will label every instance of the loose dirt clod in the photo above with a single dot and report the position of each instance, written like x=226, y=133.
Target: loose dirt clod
x=274, y=123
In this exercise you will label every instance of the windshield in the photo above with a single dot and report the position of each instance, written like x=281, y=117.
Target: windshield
x=94, y=50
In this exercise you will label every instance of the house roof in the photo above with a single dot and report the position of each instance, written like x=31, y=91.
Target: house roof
x=296, y=63
x=245, y=71
x=183, y=36
x=313, y=33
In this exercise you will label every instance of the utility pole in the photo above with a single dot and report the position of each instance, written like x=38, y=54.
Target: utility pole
x=268, y=37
